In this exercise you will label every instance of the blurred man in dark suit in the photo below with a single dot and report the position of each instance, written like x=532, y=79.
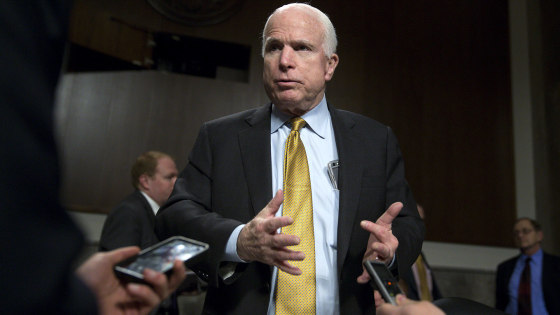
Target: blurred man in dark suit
x=38, y=239
x=530, y=282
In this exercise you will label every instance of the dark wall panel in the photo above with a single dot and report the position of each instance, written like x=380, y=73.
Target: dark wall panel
x=440, y=77
x=108, y=119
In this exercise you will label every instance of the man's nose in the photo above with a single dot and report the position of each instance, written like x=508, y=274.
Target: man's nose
x=287, y=58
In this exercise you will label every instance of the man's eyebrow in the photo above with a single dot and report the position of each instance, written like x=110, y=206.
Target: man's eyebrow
x=271, y=40
x=302, y=42
x=297, y=42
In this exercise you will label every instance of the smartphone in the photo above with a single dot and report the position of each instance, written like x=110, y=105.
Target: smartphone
x=160, y=257
x=332, y=169
x=382, y=280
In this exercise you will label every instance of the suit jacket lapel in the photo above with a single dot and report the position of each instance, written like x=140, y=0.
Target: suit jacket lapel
x=349, y=180
x=254, y=143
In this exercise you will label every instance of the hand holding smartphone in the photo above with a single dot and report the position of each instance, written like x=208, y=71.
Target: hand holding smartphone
x=382, y=280
x=160, y=257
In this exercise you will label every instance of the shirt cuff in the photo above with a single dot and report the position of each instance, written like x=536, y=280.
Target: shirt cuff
x=231, y=246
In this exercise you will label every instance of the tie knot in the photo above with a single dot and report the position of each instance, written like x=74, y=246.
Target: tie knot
x=297, y=123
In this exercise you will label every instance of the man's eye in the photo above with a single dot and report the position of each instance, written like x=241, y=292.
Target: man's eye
x=273, y=47
x=302, y=48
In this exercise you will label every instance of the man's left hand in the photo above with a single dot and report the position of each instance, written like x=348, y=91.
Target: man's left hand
x=382, y=244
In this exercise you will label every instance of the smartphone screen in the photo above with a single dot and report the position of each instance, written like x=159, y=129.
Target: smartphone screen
x=160, y=257
x=383, y=280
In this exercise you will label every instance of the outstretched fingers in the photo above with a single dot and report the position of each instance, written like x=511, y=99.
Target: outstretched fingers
x=379, y=232
x=285, y=266
x=386, y=219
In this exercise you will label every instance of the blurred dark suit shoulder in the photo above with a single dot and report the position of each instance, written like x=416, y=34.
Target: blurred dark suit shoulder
x=39, y=241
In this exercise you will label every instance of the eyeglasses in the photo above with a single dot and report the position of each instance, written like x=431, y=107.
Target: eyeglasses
x=522, y=231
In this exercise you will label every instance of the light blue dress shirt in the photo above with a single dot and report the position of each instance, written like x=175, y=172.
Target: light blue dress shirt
x=537, y=297
x=320, y=146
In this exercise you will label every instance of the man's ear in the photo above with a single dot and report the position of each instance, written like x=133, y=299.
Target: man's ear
x=331, y=66
x=540, y=236
x=143, y=182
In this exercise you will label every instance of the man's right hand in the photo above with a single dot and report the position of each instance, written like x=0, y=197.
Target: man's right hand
x=115, y=297
x=405, y=306
x=259, y=239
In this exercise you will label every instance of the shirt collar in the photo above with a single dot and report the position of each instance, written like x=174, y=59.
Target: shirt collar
x=536, y=257
x=317, y=119
x=151, y=202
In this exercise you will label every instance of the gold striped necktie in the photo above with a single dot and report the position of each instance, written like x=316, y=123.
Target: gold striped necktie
x=296, y=294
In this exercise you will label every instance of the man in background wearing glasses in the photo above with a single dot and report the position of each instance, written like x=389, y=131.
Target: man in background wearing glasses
x=530, y=282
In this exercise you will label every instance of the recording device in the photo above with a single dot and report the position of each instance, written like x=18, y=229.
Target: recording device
x=382, y=280
x=160, y=257
x=332, y=169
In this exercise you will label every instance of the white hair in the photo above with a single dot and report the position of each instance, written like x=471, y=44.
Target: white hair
x=329, y=34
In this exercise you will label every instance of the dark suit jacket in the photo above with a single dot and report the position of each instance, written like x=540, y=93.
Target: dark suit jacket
x=412, y=292
x=38, y=239
x=550, y=282
x=228, y=181
x=131, y=223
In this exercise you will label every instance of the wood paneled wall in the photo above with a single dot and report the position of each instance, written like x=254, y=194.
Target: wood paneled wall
x=545, y=52
x=441, y=80
x=439, y=75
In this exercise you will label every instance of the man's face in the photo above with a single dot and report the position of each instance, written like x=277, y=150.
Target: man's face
x=526, y=237
x=160, y=185
x=295, y=66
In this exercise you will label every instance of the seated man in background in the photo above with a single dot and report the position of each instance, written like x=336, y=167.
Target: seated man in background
x=530, y=282
x=419, y=282
x=131, y=223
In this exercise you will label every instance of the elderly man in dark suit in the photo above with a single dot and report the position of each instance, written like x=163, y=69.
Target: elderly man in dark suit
x=132, y=222
x=353, y=198
x=530, y=282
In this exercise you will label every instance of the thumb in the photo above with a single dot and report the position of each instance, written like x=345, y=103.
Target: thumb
x=401, y=299
x=274, y=204
x=123, y=253
x=363, y=278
